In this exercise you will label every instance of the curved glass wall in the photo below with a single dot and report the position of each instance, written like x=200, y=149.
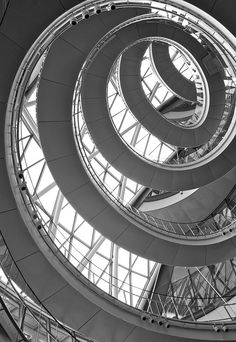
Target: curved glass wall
x=118, y=272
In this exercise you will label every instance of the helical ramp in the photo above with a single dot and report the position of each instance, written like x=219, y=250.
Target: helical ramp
x=102, y=101
x=195, y=160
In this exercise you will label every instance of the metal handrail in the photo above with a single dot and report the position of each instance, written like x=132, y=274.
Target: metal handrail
x=216, y=138
x=231, y=66
x=155, y=303
x=39, y=312
x=53, y=240
x=200, y=108
x=30, y=206
x=188, y=230
x=21, y=336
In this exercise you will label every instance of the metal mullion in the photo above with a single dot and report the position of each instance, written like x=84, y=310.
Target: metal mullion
x=152, y=278
x=105, y=173
x=175, y=55
x=228, y=275
x=135, y=135
x=153, y=92
x=173, y=300
x=164, y=98
x=72, y=234
x=179, y=289
x=112, y=175
x=207, y=290
x=22, y=313
x=103, y=256
x=59, y=224
x=89, y=268
x=213, y=278
x=121, y=123
x=129, y=128
x=233, y=267
x=148, y=268
x=181, y=69
x=26, y=147
x=157, y=98
x=139, y=274
x=120, y=111
x=31, y=103
x=148, y=139
x=93, y=155
x=30, y=125
x=87, y=150
x=111, y=268
x=130, y=283
x=117, y=186
x=113, y=81
x=113, y=101
x=74, y=237
x=101, y=164
x=144, y=137
x=93, y=237
x=65, y=229
x=221, y=281
x=44, y=191
x=56, y=214
x=113, y=190
x=128, y=272
x=195, y=289
x=122, y=187
x=114, y=94
x=104, y=271
x=48, y=325
x=83, y=130
x=125, y=278
x=148, y=87
x=190, y=310
x=145, y=74
x=39, y=205
x=160, y=143
x=187, y=68
x=20, y=139
x=214, y=290
x=28, y=167
x=88, y=256
x=39, y=178
x=115, y=271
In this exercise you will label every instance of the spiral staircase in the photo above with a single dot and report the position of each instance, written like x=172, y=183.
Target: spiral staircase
x=117, y=211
